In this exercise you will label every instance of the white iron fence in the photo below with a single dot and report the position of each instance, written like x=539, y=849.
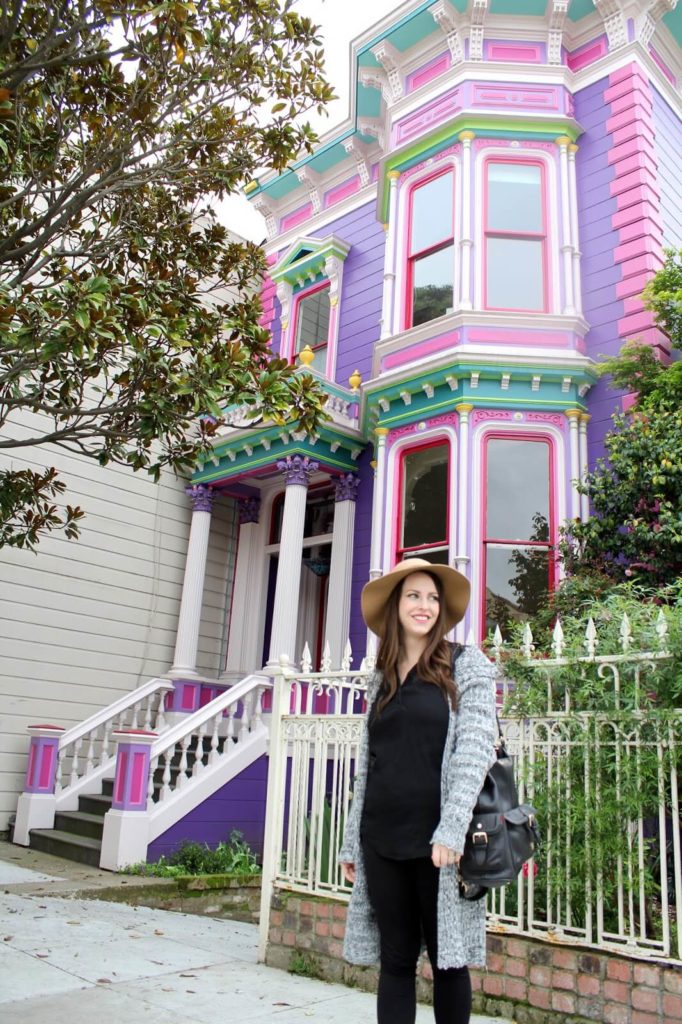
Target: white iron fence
x=606, y=783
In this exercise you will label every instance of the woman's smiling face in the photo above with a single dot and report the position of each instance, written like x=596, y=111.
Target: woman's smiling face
x=418, y=606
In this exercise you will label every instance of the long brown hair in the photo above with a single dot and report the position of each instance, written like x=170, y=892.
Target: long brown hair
x=435, y=662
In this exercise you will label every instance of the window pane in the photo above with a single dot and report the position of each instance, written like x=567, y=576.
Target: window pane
x=514, y=198
x=517, y=490
x=432, y=285
x=515, y=278
x=319, y=513
x=425, y=497
x=432, y=206
x=312, y=320
x=517, y=580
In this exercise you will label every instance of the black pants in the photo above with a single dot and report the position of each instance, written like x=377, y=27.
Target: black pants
x=404, y=898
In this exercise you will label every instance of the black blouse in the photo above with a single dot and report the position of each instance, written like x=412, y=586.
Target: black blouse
x=402, y=799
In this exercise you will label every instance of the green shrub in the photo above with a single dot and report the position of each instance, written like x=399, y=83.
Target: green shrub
x=234, y=857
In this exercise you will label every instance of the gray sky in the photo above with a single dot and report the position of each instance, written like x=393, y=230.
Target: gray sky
x=340, y=22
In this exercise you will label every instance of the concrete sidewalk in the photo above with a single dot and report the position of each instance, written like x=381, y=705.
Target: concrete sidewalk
x=69, y=960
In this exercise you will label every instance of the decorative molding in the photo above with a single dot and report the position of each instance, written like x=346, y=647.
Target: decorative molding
x=557, y=12
x=261, y=204
x=311, y=180
x=358, y=151
x=347, y=487
x=484, y=415
x=647, y=23
x=248, y=510
x=553, y=418
x=297, y=469
x=479, y=9
x=201, y=497
x=615, y=24
x=373, y=126
x=449, y=23
x=375, y=78
x=391, y=61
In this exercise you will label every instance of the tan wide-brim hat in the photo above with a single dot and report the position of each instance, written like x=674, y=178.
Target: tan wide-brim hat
x=375, y=594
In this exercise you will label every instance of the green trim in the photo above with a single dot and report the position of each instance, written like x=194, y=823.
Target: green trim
x=483, y=127
x=478, y=401
x=311, y=265
x=228, y=469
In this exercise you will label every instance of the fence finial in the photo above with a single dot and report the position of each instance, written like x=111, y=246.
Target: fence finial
x=527, y=645
x=558, y=642
x=306, y=659
x=590, y=640
x=498, y=644
x=347, y=657
x=326, y=663
x=662, y=630
x=625, y=633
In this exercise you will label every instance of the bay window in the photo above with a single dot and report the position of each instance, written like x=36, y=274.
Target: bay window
x=312, y=313
x=424, y=501
x=431, y=272
x=515, y=236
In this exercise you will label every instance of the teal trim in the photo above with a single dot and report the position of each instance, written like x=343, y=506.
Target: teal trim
x=532, y=8
x=673, y=22
x=227, y=469
x=580, y=9
x=421, y=26
x=368, y=101
x=404, y=21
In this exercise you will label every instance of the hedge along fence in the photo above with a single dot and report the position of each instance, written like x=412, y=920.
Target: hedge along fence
x=531, y=981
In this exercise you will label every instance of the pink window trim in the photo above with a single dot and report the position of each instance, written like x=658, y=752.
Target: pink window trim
x=542, y=236
x=292, y=353
x=409, y=256
x=516, y=435
x=397, y=547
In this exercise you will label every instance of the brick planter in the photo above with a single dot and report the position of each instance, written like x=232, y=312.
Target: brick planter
x=530, y=981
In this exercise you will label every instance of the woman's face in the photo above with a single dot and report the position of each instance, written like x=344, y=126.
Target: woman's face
x=418, y=606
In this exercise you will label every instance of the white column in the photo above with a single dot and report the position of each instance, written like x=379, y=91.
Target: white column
x=462, y=559
x=566, y=242
x=189, y=621
x=240, y=658
x=575, y=236
x=466, y=241
x=297, y=472
x=584, y=500
x=573, y=420
x=387, y=311
x=341, y=568
x=378, y=516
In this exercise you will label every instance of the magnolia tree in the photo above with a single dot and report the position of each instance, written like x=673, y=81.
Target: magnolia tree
x=635, y=532
x=129, y=316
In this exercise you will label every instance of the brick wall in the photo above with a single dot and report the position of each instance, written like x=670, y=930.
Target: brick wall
x=526, y=980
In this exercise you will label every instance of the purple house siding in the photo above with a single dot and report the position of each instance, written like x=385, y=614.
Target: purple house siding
x=360, y=302
x=361, y=553
x=238, y=805
x=598, y=241
x=668, y=146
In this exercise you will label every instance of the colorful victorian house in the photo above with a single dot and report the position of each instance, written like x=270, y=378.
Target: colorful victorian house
x=451, y=262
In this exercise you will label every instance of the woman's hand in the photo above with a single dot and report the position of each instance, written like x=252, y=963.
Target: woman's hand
x=348, y=871
x=442, y=856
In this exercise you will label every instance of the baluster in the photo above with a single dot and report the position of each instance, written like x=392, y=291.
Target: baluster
x=160, y=724
x=90, y=756
x=148, y=712
x=166, y=777
x=244, y=727
x=199, y=759
x=58, y=772
x=230, y=725
x=73, y=778
x=134, y=724
x=258, y=708
x=182, y=767
x=215, y=738
x=106, y=734
x=153, y=765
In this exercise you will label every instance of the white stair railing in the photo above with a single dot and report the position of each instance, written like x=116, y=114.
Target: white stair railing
x=86, y=751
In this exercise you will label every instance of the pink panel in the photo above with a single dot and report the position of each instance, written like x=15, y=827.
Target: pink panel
x=296, y=217
x=515, y=52
x=415, y=352
x=31, y=764
x=346, y=188
x=663, y=66
x=587, y=54
x=47, y=755
x=428, y=72
x=517, y=97
x=206, y=695
x=431, y=114
x=189, y=697
x=121, y=771
x=543, y=339
x=138, y=778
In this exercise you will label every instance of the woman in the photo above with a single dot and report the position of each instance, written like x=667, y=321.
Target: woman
x=426, y=746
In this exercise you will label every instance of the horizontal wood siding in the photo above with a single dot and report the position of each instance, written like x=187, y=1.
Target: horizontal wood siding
x=83, y=622
x=668, y=149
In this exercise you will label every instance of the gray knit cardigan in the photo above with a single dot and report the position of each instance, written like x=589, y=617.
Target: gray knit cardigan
x=467, y=756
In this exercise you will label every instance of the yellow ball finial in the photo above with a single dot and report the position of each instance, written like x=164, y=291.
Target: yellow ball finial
x=355, y=380
x=306, y=356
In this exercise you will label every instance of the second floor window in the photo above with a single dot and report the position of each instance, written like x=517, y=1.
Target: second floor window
x=431, y=265
x=312, y=324
x=423, y=524
x=515, y=237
